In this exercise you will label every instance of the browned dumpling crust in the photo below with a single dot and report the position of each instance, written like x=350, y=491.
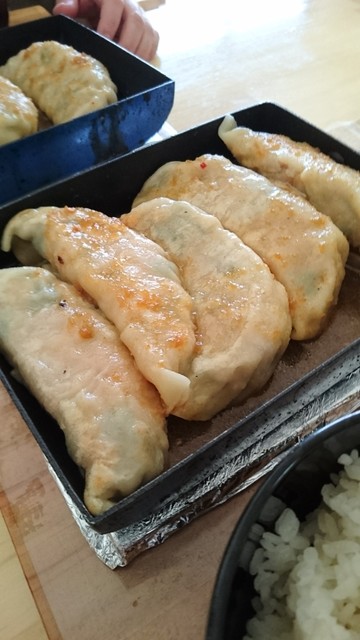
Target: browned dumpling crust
x=130, y=278
x=62, y=82
x=303, y=248
x=242, y=312
x=18, y=114
x=331, y=187
x=72, y=359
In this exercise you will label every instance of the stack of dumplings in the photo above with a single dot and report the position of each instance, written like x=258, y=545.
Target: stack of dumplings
x=281, y=227
x=52, y=78
x=183, y=306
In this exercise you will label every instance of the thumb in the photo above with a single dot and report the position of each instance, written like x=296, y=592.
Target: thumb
x=68, y=8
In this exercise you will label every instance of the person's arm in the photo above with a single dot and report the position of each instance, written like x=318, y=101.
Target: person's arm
x=123, y=21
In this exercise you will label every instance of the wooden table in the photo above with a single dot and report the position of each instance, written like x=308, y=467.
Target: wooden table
x=223, y=56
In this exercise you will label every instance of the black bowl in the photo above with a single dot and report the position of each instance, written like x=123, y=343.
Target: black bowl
x=295, y=483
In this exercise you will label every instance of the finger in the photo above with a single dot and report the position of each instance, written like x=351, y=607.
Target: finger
x=111, y=16
x=78, y=9
x=132, y=30
x=148, y=45
x=68, y=8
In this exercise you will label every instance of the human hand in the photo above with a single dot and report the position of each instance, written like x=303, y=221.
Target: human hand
x=123, y=21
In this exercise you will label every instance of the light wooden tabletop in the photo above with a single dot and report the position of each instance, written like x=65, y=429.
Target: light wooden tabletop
x=304, y=56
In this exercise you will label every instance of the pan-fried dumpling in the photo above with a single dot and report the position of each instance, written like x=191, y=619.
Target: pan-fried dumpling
x=331, y=187
x=61, y=81
x=72, y=360
x=242, y=312
x=128, y=276
x=18, y=114
x=303, y=248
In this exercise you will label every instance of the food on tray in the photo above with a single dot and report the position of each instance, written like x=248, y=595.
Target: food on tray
x=303, y=248
x=203, y=282
x=61, y=81
x=331, y=187
x=72, y=360
x=128, y=276
x=18, y=114
x=242, y=312
x=307, y=573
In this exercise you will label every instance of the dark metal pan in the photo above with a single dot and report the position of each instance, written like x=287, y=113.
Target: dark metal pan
x=145, y=98
x=250, y=434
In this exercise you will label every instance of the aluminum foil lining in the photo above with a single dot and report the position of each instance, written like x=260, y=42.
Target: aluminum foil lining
x=335, y=391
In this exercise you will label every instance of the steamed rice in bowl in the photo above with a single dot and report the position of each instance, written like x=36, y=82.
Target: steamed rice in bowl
x=291, y=569
x=307, y=574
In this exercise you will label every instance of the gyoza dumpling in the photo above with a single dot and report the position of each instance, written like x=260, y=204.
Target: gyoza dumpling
x=18, y=114
x=128, y=276
x=72, y=360
x=242, y=312
x=61, y=81
x=303, y=248
x=331, y=187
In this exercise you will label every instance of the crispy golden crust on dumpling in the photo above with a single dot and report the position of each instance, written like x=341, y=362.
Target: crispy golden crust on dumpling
x=242, y=312
x=331, y=187
x=131, y=279
x=303, y=248
x=72, y=359
x=18, y=114
x=62, y=82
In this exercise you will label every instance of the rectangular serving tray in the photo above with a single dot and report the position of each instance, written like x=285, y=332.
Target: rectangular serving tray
x=308, y=371
x=145, y=99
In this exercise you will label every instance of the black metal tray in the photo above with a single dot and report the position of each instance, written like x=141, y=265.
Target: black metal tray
x=195, y=447
x=145, y=98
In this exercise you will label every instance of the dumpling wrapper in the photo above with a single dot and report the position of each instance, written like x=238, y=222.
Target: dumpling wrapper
x=18, y=114
x=242, y=312
x=332, y=188
x=303, y=248
x=72, y=360
x=62, y=82
x=128, y=276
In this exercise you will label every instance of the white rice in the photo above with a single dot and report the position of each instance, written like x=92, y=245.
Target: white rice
x=307, y=574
